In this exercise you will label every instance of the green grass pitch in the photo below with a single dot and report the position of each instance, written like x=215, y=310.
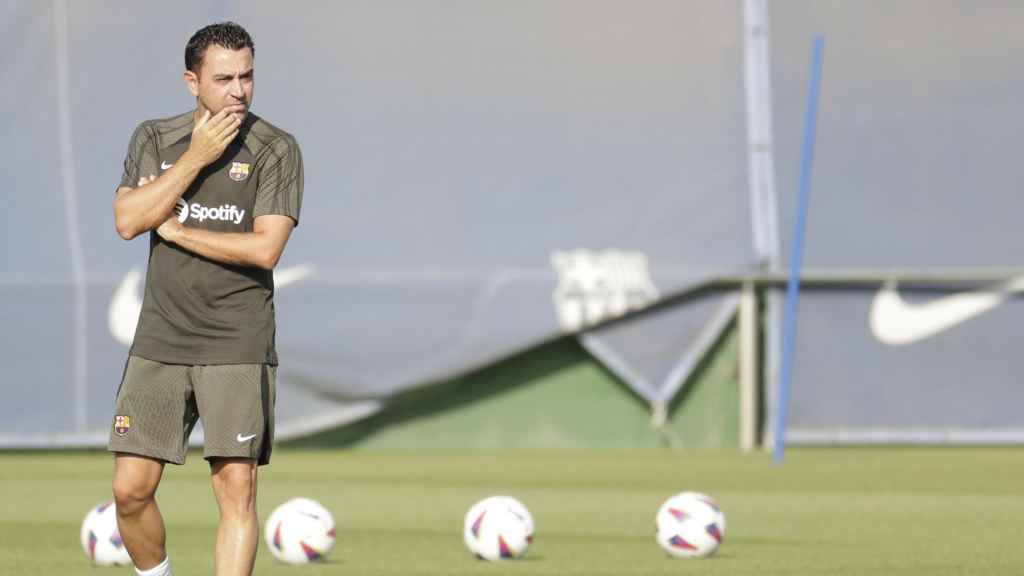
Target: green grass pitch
x=905, y=511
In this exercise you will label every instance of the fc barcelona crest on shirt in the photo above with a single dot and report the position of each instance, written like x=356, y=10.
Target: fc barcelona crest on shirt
x=239, y=171
x=121, y=424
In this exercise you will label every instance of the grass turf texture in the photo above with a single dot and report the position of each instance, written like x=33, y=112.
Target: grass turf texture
x=825, y=511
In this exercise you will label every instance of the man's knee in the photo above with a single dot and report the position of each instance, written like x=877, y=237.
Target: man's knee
x=234, y=483
x=131, y=495
x=135, y=483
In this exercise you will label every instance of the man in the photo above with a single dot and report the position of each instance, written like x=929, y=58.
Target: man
x=219, y=190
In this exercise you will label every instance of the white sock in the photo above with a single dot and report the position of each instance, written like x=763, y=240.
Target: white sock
x=161, y=569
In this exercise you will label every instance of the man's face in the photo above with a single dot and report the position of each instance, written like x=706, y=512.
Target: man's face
x=224, y=80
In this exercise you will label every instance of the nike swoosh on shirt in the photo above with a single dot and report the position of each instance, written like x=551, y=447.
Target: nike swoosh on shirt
x=164, y=165
x=126, y=304
x=896, y=322
x=241, y=438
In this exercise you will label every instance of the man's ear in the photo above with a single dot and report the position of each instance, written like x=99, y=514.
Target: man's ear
x=192, y=81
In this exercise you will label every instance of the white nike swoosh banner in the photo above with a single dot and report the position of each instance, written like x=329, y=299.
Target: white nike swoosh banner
x=286, y=276
x=125, y=307
x=896, y=322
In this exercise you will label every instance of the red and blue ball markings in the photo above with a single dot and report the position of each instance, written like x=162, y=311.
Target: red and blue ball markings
x=678, y=514
x=712, y=529
x=475, y=529
x=92, y=544
x=115, y=538
x=503, y=548
x=678, y=542
x=277, y=537
x=311, y=553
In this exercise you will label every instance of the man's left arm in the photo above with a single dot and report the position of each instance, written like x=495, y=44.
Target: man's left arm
x=261, y=248
x=276, y=211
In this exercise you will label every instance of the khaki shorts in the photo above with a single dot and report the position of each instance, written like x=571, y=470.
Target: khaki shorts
x=158, y=405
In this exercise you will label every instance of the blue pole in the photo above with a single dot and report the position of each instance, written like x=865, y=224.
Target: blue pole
x=797, y=254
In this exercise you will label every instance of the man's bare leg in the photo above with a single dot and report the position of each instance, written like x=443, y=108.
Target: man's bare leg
x=234, y=485
x=138, y=518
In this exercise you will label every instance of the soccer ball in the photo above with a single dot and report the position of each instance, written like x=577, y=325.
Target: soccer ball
x=690, y=525
x=300, y=531
x=471, y=528
x=101, y=539
x=498, y=528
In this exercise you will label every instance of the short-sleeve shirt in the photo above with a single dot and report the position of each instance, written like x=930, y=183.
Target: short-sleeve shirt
x=196, y=310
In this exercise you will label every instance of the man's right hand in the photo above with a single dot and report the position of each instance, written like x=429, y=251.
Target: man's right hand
x=212, y=135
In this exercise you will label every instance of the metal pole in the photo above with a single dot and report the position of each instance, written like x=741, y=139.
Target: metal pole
x=750, y=357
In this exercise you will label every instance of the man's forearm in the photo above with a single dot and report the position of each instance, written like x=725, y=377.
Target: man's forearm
x=141, y=209
x=238, y=248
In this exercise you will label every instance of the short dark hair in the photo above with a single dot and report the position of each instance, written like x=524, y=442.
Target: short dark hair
x=226, y=34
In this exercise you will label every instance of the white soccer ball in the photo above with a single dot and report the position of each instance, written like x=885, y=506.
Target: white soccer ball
x=300, y=531
x=101, y=539
x=498, y=528
x=690, y=525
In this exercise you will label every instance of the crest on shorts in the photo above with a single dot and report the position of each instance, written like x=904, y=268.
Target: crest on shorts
x=239, y=171
x=121, y=424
